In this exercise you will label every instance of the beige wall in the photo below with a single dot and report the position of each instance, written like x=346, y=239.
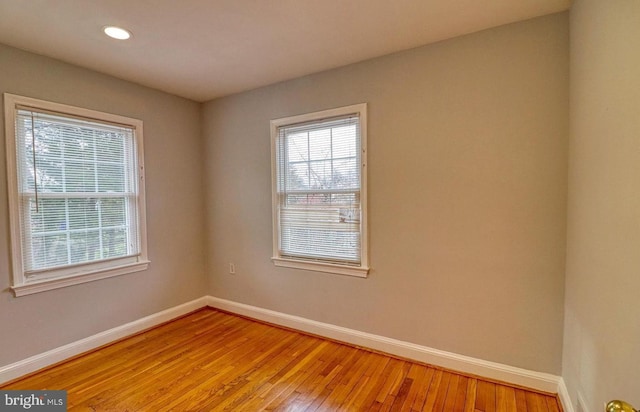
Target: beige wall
x=468, y=147
x=175, y=211
x=601, y=358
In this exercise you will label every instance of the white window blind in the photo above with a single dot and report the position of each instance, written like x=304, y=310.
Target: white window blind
x=318, y=193
x=77, y=190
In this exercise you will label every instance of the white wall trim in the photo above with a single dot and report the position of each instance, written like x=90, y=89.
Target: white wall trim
x=48, y=358
x=492, y=370
x=565, y=399
x=466, y=364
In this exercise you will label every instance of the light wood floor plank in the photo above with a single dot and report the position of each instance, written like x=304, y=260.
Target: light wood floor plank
x=422, y=386
x=521, y=401
x=432, y=392
x=215, y=361
x=461, y=394
x=486, y=396
x=450, y=399
x=469, y=405
x=442, y=392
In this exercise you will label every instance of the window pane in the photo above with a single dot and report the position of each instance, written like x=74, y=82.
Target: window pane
x=111, y=178
x=85, y=246
x=49, y=250
x=114, y=243
x=83, y=213
x=346, y=174
x=113, y=212
x=50, y=176
x=322, y=244
x=48, y=159
x=345, y=141
x=298, y=147
x=60, y=155
x=297, y=199
x=49, y=216
x=321, y=176
x=319, y=199
x=110, y=146
x=80, y=176
x=320, y=144
x=78, y=144
x=344, y=199
x=298, y=176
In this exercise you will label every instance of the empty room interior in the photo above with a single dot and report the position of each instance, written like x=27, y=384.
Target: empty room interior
x=475, y=210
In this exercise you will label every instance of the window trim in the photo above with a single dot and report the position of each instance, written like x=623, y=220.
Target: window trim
x=81, y=273
x=361, y=270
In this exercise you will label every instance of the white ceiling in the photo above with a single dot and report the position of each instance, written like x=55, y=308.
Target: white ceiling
x=202, y=49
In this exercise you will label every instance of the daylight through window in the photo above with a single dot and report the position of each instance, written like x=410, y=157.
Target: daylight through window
x=318, y=197
x=77, y=194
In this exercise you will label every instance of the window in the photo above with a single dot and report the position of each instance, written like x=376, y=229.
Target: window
x=76, y=194
x=319, y=191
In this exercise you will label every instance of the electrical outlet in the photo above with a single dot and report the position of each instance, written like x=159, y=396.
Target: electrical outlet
x=232, y=268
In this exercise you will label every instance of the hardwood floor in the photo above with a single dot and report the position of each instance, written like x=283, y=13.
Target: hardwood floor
x=214, y=361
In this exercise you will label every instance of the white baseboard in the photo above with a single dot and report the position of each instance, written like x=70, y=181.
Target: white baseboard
x=565, y=399
x=492, y=370
x=48, y=358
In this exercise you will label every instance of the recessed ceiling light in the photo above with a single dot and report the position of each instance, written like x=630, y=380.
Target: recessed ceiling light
x=116, y=32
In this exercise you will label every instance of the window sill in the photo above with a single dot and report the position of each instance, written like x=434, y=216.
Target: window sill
x=359, y=271
x=42, y=285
